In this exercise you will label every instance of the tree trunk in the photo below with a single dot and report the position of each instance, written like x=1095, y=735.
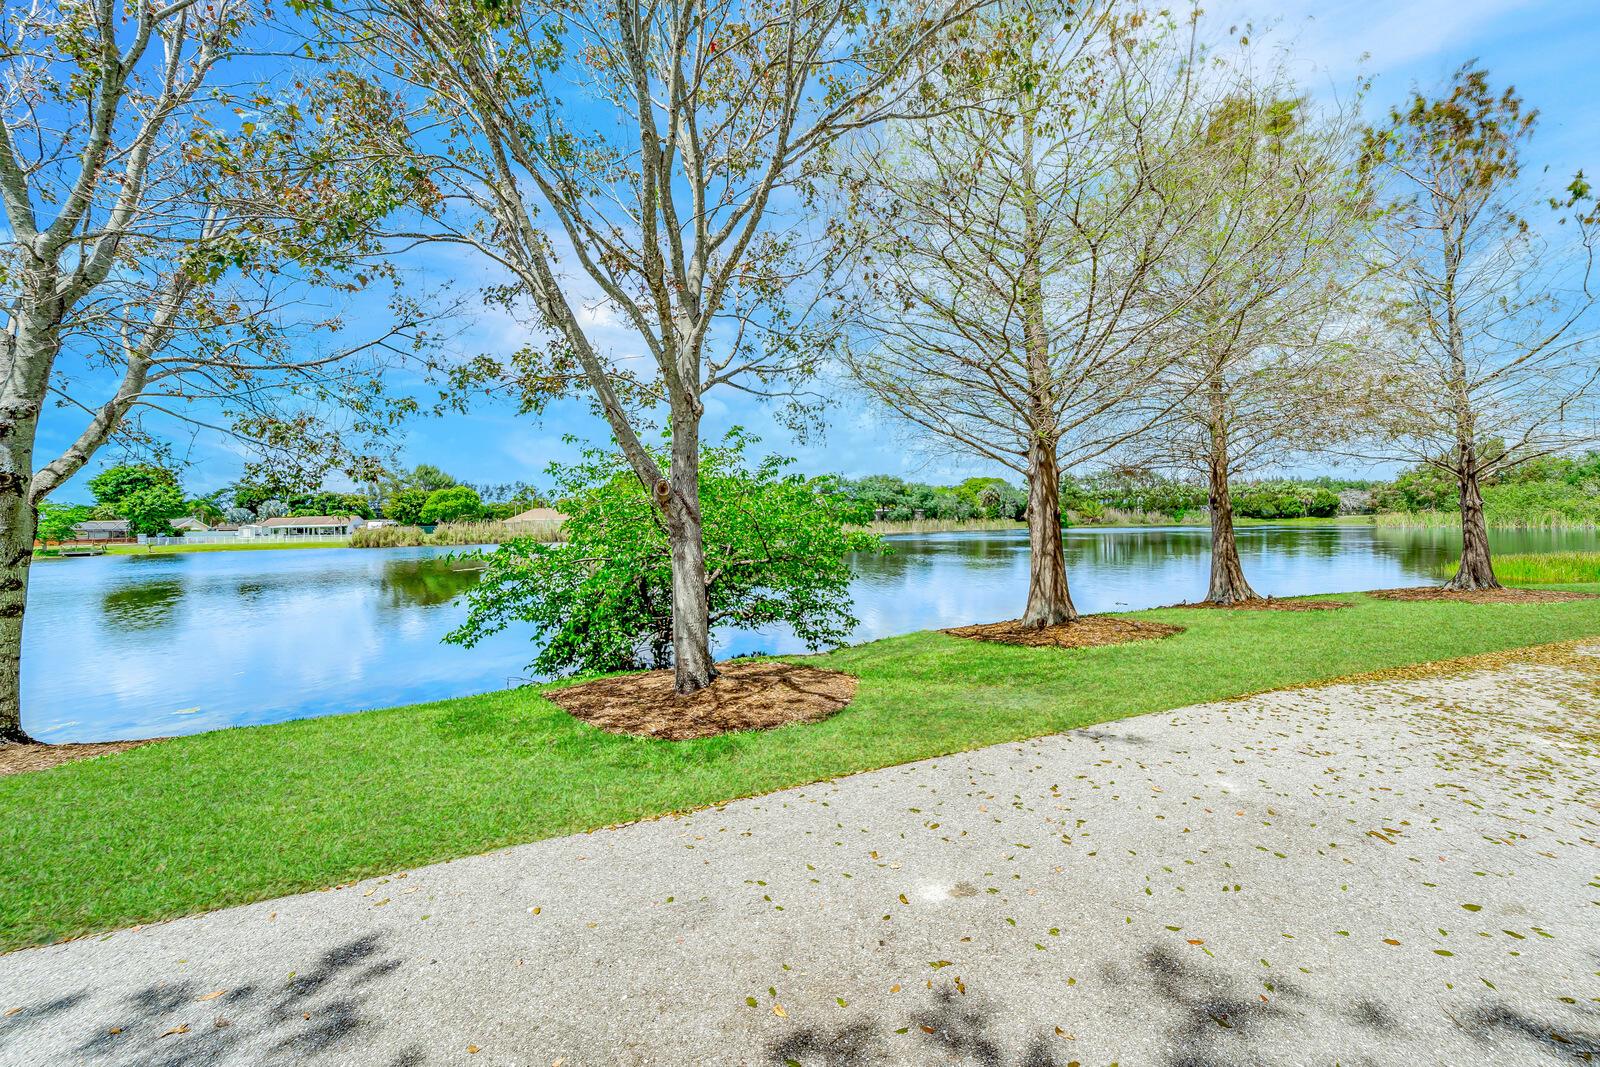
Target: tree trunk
x=1228, y=584
x=17, y=522
x=1049, y=602
x=691, y=627
x=1476, y=570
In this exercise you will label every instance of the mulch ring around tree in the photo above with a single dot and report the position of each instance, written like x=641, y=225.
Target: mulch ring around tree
x=1267, y=603
x=1088, y=631
x=15, y=759
x=745, y=696
x=1480, y=596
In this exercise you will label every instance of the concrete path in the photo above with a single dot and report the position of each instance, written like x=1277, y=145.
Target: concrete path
x=1405, y=872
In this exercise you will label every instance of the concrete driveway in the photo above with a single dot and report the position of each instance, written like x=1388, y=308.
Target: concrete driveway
x=1394, y=872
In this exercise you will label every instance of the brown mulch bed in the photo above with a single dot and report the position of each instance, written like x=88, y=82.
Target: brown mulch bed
x=15, y=759
x=1267, y=603
x=1090, y=631
x=745, y=696
x=1480, y=596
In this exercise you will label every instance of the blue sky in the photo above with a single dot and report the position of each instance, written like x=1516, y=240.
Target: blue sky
x=1547, y=48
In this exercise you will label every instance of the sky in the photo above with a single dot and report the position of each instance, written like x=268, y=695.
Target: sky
x=1546, y=48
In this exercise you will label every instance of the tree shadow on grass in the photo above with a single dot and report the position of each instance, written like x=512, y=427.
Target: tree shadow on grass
x=319, y=1013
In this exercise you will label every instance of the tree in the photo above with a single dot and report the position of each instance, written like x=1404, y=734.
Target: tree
x=148, y=496
x=58, y=522
x=1006, y=251
x=459, y=503
x=994, y=498
x=151, y=509
x=327, y=502
x=1259, y=336
x=205, y=508
x=163, y=220
x=115, y=484
x=661, y=193
x=601, y=599
x=427, y=477
x=1491, y=310
x=405, y=506
x=510, y=498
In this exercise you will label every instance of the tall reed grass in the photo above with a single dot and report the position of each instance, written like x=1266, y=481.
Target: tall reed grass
x=927, y=526
x=1449, y=520
x=1540, y=568
x=454, y=533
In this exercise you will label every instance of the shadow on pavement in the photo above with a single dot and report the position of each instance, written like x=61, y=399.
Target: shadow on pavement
x=1207, y=1017
x=180, y=1024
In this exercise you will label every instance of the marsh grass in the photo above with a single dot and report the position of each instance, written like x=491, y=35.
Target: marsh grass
x=454, y=533
x=1540, y=568
x=928, y=526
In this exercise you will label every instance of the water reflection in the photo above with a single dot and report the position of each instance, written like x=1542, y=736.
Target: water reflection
x=121, y=646
x=140, y=607
x=426, y=583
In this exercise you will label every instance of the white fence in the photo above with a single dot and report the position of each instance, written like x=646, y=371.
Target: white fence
x=212, y=538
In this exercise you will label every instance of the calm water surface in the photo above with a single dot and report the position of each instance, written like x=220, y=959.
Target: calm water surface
x=131, y=646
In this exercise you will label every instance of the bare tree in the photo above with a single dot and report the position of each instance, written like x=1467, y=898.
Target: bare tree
x=648, y=146
x=1492, y=361
x=1008, y=249
x=1262, y=338
x=158, y=251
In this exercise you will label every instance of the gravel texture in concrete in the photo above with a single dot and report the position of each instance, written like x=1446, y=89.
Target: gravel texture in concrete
x=1403, y=871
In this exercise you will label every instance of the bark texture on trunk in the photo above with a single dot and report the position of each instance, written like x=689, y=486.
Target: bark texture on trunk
x=1476, y=569
x=1049, y=602
x=17, y=523
x=692, y=667
x=1228, y=584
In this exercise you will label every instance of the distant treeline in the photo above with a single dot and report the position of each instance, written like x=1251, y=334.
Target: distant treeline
x=1108, y=496
x=1555, y=490
x=1548, y=491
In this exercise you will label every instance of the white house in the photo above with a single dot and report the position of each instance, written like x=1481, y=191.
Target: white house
x=190, y=524
x=304, y=526
x=102, y=530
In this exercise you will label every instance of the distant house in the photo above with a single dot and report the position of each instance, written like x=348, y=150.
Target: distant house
x=102, y=530
x=538, y=515
x=190, y=524
x=304, y=525
x=379, y=523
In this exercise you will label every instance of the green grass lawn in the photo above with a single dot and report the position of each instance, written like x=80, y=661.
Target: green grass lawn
x=240, y=546
x=245, y=814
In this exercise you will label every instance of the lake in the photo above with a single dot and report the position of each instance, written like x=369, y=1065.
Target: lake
x=146, y=646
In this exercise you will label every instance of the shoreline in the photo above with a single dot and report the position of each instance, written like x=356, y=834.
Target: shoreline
x=924, y=527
